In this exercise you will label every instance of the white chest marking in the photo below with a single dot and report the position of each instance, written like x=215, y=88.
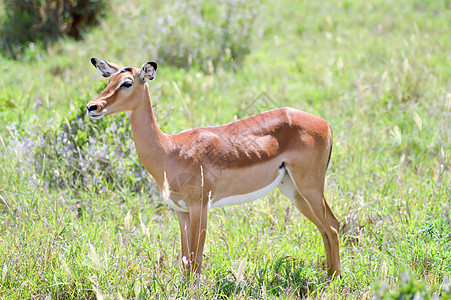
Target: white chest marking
x=245, y=198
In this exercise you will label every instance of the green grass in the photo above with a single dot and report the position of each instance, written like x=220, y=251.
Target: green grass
x=378, y=71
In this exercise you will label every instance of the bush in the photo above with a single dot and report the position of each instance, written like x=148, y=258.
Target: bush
x=283, y=277
x=211, y=35
x=95, y=154
x=30, y=21
x=84, y=155
x=409, y=288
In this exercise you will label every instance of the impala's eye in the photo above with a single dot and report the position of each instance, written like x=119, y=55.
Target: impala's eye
x=127, y=84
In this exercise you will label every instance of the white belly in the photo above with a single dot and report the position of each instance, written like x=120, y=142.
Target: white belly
x=245, y=198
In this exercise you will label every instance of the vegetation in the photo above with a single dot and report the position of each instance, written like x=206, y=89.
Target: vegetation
x=81, y=219
x=208, y=34
x=27, y=22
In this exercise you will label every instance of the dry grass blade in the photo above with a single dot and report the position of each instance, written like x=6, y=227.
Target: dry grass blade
x=119, y=296
x=4, y=202
x=127, y=221
x=448, y=101
x=145, y=230
x=4, y=272
x=396, y=135
x=418, y=121
x=98, y=292
x=166, y=192
x=239, y=273
x=137, y=289
x=185, y=261
x=65, y=266
x=2, y=143
x=94, y=257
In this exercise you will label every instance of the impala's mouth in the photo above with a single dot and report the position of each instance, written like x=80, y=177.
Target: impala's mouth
x=96, y=116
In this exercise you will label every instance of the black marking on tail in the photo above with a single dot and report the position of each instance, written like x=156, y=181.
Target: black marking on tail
x=282, y=165
x=331, y=146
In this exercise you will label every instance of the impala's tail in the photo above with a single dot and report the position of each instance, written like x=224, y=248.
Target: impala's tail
x=331, y=145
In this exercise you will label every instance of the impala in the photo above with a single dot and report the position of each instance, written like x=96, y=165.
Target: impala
x=225, y=165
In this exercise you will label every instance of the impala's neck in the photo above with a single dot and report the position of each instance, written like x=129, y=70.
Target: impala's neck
x=151, y=143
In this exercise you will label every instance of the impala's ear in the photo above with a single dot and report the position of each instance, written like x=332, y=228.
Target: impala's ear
x=148, y=71
x=106, y=69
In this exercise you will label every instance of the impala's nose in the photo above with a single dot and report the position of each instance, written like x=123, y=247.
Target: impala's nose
x=91, y=107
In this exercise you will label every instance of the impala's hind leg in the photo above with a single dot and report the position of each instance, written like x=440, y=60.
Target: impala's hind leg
x=288, y=188
x=198, y=230
x=184, y=222
x=331, y=217
x=310, y=186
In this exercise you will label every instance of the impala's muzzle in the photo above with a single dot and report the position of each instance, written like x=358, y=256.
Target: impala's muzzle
x=92, y=108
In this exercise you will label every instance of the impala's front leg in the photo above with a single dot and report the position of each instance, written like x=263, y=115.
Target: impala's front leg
x=198, y=231
x=183, y=218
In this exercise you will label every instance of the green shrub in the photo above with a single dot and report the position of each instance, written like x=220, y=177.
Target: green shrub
x=84, y=155
x=29, y=21
x=211, y=35
x=285, y=276
x=410, y=288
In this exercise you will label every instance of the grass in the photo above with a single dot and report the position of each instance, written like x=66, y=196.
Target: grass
x=378, y=71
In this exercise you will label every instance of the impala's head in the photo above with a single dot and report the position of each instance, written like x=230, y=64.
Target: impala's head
x=124, y=90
